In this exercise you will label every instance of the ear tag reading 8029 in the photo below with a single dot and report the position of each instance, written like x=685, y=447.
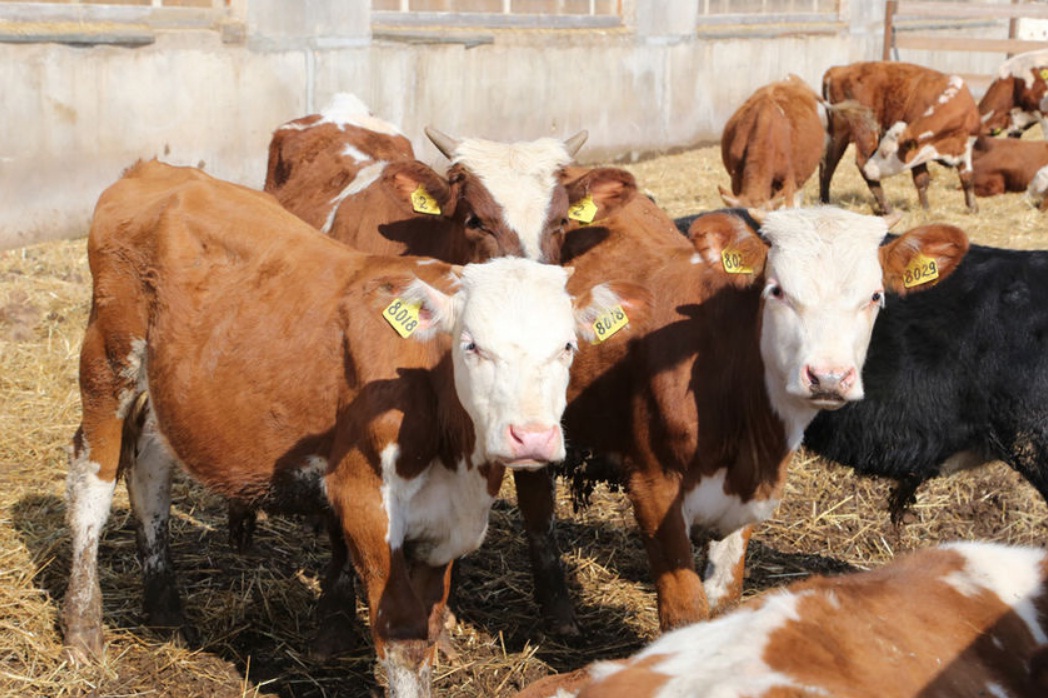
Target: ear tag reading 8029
x=423, y=202
x=402, y=316
x=610, y=322
x=732, y=261
x=584, y=210
x=921, y=270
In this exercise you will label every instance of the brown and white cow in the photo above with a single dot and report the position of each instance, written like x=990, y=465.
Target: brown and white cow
x=748, y=338
x=1018, y=97
x=772, y=144
x=1010, y=165
x=277, y=373
x=963, y=620
x=352, y=176
x=901, y=117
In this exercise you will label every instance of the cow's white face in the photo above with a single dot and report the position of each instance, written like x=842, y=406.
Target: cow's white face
x=823, y=291
x=886, y=161
x=514, y=331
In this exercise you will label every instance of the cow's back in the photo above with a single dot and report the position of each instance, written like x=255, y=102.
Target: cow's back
x=893, y=91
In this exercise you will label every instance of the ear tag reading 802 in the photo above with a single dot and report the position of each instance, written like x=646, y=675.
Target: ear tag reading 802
x=610, y=322
x=423, y=202
x=402, y=316
x=732, y=261
x=584, y=210
x=921, y=270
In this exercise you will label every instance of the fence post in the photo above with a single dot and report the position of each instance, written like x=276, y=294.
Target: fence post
x=889, y=28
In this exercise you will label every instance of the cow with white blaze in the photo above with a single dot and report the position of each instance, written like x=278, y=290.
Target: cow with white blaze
x=1018, y=97
x=964, y=620
x=294, y=373
x=901, y=117
x=748, y=339
x=497, y=199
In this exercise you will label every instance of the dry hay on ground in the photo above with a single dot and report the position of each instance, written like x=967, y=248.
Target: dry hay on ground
x=253, y=611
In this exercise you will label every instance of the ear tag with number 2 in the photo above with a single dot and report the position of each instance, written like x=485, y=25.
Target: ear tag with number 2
x=423, y=202
x=584, y=210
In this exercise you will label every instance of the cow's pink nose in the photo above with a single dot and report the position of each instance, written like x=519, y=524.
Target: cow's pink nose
x=534, y=441
x=830, y=380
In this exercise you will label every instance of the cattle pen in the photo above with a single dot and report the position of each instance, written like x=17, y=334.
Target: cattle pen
x=254, y=611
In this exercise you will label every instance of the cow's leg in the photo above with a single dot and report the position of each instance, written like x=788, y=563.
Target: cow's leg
x=149, y=490
x=336, y=610
x=656, y=498
x=243, y=519
x=432, y=585
x=836, y=143
x=921, y=180
x=725, y=568
x=536, y=501
x=108, y=375
x=967, y=177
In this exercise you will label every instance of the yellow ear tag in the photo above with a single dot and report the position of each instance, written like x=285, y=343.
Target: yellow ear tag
x=402, y=316
x=732, y=261
x=921, y=270
x=583, y=210
x=609, y=323
x=1044, y=73
x=423, y=202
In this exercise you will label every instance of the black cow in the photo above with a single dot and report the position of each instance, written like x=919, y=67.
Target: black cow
x=956, y=377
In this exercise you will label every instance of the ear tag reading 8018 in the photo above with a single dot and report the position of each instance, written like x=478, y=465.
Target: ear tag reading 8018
x=402, y=316
x=921, y=270
x=584, y=210
x=610, y=322
x=732, y=261
x=423, y=202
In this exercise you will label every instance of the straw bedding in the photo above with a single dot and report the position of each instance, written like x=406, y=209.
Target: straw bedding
x=253, y=611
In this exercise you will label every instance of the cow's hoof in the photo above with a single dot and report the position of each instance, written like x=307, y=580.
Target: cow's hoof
x=336, y=636
x=84, y=646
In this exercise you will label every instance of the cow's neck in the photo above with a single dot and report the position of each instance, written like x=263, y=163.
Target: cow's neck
x=457, y=438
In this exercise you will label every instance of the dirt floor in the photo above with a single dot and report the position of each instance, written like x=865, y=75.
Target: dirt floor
x=254, y=611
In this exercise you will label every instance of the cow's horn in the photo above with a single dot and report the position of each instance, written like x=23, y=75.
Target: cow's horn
x=573, y=144
x=445, y=143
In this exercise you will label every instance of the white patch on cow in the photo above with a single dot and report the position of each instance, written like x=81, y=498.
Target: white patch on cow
x=441, y=512
x=1038, y=185
x=355, y=153
x=513, y=345
x=697, y=258
x=710, y=506
x=885, y=162
x=723, y=559
x=347, y=109
x=1021, y=66
x=1013, y=573
x=521, y=178
x=88, y=501
x=987, y=116
x=149, y=490
x=825, y=263
x=997, y=691
x=134, y=372
x=364, y=179
x=824, y=115
x=723, y=657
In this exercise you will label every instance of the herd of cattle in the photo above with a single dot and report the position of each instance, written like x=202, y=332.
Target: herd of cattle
x=518, y=310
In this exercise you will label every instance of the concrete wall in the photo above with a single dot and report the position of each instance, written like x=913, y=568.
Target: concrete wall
x=75, y=117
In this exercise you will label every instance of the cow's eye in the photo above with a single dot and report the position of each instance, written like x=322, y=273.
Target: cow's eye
x=877, y=298
x=474, y=223
x=776, y=292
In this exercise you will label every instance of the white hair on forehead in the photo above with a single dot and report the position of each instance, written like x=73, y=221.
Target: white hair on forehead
x=347, y=109
x=513, y=272
x=1019, y=66
x=521, y=178
x=822, y=242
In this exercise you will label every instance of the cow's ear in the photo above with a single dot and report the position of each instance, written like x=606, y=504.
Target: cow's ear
x=727, y=243
x=416, y=309
x=418, y=188
x=604, y=310
x=597, y=193
x=922, y=257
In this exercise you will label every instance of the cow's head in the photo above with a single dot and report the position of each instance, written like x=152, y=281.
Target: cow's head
x=508, y=197
x=514, y=332
x=824, y=276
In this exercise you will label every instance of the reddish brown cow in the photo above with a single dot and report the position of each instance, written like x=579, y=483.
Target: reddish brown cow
x=746, y=342
x=964, y=620
x=1010, y=165
x=500, y=199
x=772, y=144
x=274, y=376
x=901, y=117
x=1016, y=99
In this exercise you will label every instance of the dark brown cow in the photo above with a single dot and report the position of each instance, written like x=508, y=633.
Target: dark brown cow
x=746, y=342
x=901, y=117
x=772, y=144
x=349, y=174
x=282, y=369
x=965, y=620
x=1016, y=99
x=1010, y=165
